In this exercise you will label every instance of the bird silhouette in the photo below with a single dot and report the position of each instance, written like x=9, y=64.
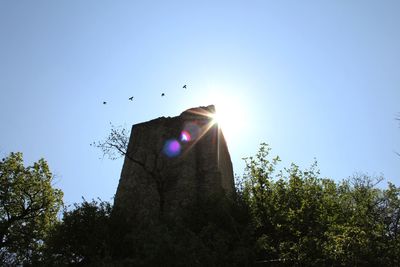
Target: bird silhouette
x=104, y=102
x=184, y=87
x=162, y=94
x=131, y=98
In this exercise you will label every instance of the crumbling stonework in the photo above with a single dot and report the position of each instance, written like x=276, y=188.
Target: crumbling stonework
x=171, y=162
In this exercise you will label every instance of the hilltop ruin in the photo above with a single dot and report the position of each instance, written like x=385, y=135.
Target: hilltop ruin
x=171, y=162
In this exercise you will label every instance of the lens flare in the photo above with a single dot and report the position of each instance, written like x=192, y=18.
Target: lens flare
x=185, y=136
x=192, y=129
x=172, y=148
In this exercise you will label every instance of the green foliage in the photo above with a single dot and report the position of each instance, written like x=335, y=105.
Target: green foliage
x=288, y=217
x=28, y=207
x=301, y=219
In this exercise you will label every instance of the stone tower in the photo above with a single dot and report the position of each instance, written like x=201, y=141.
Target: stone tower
x=171, y=162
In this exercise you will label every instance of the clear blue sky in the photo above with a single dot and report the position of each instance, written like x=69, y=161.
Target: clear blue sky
x=315, y=79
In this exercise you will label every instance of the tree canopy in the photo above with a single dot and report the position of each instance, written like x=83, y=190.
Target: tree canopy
x=301, y=219
x=28, y=208
x=278, y=217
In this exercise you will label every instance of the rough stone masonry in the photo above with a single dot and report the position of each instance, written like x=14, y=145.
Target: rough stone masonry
x=171, y=162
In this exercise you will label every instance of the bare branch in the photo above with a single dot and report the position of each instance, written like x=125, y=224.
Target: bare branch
x=116, y=143
x=116, y=146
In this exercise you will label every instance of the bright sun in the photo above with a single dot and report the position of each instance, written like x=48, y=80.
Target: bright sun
x=230, y=116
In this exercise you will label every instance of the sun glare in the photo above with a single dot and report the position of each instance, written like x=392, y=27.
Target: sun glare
x=230, y=116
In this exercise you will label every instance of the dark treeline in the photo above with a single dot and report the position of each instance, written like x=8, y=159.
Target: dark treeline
x=288, y=217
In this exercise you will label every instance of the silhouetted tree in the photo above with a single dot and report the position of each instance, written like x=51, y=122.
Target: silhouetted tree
x=82, y=237
x=209, y=233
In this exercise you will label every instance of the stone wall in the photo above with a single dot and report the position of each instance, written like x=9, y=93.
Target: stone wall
x=171, y=162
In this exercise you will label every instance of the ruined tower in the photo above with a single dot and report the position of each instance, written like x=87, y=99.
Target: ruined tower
x=171, y=162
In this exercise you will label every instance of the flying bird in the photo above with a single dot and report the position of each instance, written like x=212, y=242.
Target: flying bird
x=162, y=94
x=104, y=102
x=184, y=87
x=131, y=98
